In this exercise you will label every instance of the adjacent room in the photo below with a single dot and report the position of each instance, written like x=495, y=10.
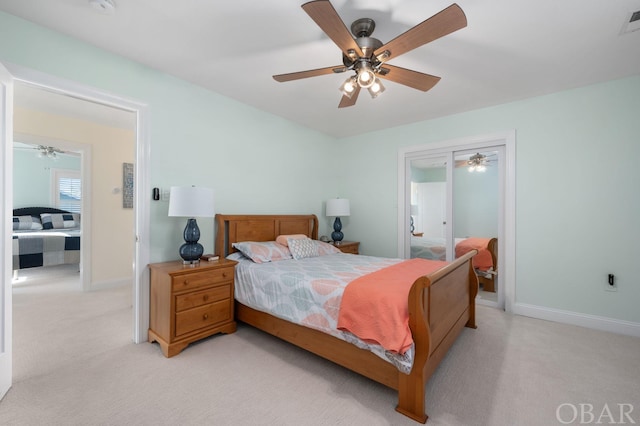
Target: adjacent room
x=324, y=212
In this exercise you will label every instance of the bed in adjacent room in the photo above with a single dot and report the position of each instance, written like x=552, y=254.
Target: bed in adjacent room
x=45, y=236
x=312, y=295
x=485, y=262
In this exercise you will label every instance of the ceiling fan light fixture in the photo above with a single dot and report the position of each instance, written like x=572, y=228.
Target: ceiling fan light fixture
x=477, y=163
x=349, y=87
x=479, y=168
x=366, y=77
x=376, y=88
x=48, y=152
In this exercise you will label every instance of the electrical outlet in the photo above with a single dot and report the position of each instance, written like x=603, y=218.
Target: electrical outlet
x=610, y=284
x=164, y=194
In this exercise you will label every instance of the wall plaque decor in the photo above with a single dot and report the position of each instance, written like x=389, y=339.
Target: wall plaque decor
x=127, y=185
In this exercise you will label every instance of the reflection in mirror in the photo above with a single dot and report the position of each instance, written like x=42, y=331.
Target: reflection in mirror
x=476, y=202
x=429, y=208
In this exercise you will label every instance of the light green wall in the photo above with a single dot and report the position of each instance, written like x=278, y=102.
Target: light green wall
x=32, y=177
x=577, y=203
x=577, y=197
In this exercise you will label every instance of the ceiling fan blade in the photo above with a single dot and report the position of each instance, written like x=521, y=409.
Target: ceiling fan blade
x=444, y=22
x=349, y=101
x=413, y=79
x=310, y=73
x=326, y=17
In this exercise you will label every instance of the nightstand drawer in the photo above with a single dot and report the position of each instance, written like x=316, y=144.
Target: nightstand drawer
x=203, y=316
x=192, y=300
x=200, y=279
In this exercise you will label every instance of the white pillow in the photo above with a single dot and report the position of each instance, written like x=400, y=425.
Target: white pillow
x=26, y=223
x=302, y=248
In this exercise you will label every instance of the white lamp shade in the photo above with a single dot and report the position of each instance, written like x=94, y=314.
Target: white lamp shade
x=338, y=207
x=191, y=201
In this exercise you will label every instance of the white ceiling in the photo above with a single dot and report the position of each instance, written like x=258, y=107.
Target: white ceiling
x=510, y=50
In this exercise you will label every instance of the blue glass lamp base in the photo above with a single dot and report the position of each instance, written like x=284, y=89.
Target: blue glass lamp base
x=191, y=250
x=336, y=235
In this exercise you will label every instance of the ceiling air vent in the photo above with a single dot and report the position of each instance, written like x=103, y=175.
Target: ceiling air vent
x=633, y=23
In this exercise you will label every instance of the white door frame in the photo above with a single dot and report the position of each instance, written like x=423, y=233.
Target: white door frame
x=506, y=242
x=6, y=196
x=142, y=188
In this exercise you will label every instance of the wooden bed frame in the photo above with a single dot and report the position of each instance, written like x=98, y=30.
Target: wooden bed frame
x=440, y=305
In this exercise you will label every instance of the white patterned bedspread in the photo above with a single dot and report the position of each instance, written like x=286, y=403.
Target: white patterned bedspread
x=309, y=291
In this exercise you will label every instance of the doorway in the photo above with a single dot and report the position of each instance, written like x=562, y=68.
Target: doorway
x=140, y=238
x=442, y=201
x=30, y=170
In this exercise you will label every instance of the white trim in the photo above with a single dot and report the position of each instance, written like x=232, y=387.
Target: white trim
x=506, y=244
x=574, y=318
x=6, y=229
x=142, y=209
x=142, y=189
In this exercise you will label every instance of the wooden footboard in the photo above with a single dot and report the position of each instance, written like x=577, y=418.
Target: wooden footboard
x=440, y=305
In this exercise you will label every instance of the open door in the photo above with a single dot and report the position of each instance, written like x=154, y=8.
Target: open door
x=6, y=196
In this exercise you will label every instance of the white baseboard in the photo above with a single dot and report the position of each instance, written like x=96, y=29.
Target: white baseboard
x=584, y=320
x=102, y=285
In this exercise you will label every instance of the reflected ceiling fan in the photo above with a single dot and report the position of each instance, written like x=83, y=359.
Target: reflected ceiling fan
x=368, y=57
x=477, y=162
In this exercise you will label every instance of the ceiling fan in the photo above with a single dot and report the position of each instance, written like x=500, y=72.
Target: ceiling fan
x=477, y=162
x=43, y=151
x=368, y=57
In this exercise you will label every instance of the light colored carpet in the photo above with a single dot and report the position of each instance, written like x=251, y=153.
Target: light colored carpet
x=74, y=364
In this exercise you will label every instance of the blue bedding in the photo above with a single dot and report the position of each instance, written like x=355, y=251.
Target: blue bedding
x=32, y=249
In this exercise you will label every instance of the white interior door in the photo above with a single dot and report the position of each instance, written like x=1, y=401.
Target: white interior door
x=6, y=195
x=432, y=209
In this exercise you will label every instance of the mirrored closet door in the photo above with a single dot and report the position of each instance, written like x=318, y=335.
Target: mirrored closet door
x=453, y=206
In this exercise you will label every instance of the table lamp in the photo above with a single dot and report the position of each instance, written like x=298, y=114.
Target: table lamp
x=191, y=202
x=337, y=207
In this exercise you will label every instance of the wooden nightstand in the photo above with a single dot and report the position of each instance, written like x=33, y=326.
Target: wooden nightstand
x=348, y=246
x=190, y=302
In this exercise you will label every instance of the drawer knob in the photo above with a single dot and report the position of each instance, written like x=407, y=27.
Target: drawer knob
x=205, y=316
x=224, y=275
x=205, y=297
x=186, y=282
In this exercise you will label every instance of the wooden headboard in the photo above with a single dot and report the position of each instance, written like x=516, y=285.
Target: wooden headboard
x=35, y=211
x=235, y=228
